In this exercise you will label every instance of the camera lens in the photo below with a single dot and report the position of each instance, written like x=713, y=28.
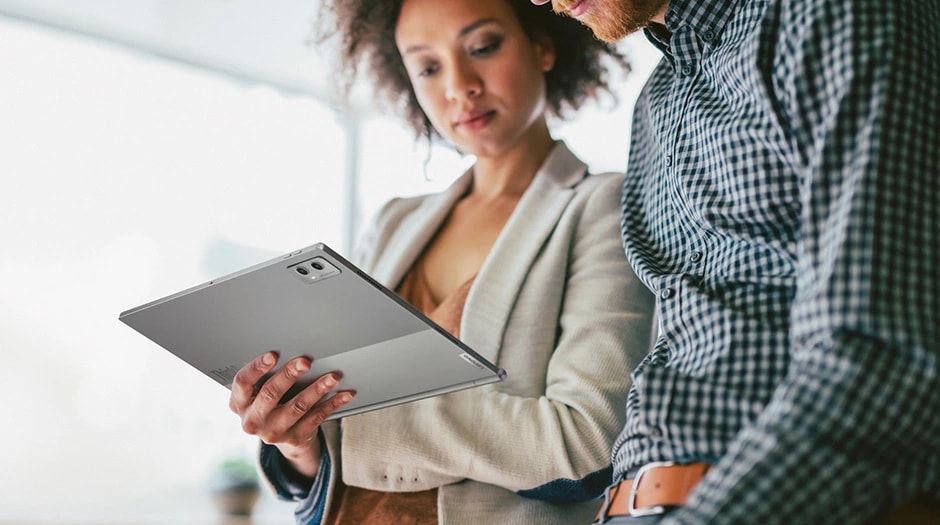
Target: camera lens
x=317, y=266
x=302, y=271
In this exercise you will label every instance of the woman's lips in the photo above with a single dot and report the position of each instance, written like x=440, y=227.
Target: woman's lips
x=476, y=120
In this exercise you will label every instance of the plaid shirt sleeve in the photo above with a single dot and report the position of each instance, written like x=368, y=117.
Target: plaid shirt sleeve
x=854, y=429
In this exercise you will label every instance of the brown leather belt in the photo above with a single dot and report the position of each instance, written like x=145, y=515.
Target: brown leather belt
x=656, y=487
x=659, y=486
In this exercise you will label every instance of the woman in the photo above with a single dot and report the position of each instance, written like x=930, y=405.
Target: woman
x=520, y=258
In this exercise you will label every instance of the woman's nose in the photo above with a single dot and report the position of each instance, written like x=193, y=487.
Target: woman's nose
x=463, y=82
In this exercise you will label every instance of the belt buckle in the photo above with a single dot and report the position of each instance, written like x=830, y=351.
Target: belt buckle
x=631, y=501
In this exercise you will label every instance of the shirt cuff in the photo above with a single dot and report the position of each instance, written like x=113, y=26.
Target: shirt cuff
x=286, y=482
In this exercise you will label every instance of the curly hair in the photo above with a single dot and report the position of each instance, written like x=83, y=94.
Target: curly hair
x=366, y=34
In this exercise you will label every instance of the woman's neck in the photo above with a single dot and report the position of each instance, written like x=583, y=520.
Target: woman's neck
x=510, y=173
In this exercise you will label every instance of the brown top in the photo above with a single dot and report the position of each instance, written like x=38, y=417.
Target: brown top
x=354, y=505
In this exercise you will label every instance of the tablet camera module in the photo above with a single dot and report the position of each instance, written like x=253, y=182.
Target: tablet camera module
x=313, y=270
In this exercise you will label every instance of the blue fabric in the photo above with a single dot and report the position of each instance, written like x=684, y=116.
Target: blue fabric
x=312, y=499
x=569, y=490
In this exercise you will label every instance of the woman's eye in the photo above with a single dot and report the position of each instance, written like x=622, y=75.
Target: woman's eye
x=485, y=50
x=427, y=71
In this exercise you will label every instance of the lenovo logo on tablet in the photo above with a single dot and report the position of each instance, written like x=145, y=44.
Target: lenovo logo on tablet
x=469, y=358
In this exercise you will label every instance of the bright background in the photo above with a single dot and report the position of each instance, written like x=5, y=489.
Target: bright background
x=127, y=175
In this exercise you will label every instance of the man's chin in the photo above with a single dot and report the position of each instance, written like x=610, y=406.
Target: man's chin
x=607, y=30
x=614, y=20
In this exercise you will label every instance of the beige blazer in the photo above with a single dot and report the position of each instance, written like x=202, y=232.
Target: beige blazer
x=555, y=304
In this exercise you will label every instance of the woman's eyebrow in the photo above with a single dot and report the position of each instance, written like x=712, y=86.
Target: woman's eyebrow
x=476, y=25
x=463, y=32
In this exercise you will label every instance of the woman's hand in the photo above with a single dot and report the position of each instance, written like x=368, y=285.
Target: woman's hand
x=291, y=426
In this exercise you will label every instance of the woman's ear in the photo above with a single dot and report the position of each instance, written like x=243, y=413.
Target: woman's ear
x=545, y=49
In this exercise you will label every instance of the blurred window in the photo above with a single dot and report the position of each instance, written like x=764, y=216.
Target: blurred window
x=126, y=178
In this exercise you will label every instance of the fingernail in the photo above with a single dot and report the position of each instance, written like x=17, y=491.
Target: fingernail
x=345, y=396
x=268, y=358
x=302, y=366
x=331, y=381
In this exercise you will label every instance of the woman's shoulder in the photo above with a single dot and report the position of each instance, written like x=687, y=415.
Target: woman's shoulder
x=596, y=200
x=604, y=179
x=564, y=168
x=599, y=185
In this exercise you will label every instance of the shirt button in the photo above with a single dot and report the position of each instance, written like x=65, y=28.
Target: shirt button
x=708, y=35
x=695, y=257
x=668, y=160
x=654, y=432
x=666, y=293
x=686, y=70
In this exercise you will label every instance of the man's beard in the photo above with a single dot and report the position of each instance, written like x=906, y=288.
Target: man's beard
x=612, y=20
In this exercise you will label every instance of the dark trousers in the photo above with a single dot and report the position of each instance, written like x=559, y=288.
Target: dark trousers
x=628, y=520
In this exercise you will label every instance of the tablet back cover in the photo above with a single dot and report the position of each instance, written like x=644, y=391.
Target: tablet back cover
x=313, y=302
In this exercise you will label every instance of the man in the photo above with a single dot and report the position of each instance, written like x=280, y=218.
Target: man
x=783, y=200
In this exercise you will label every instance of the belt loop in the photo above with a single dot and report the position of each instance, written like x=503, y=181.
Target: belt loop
x=602, y=513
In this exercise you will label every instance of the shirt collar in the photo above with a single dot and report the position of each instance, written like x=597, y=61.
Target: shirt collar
x=706, y=18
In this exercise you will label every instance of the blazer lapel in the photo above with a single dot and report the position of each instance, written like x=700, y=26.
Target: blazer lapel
x=415, y=232
x=493, y=294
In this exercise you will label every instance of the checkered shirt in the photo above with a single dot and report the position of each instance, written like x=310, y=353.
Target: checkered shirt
x=783, y=200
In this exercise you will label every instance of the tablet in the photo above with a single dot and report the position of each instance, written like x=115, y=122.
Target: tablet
x=314, y=302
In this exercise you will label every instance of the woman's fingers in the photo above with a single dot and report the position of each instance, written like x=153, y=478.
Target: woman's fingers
x=243, y=387
x=293, y=423
x=301, y=403
x=305, y=407
x=256, y=417
x=311, y=421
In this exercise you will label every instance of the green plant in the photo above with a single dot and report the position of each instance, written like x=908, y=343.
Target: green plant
x=235, y=473
x=235, y=487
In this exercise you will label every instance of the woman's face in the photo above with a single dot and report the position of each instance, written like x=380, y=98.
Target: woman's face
x=476, y=74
